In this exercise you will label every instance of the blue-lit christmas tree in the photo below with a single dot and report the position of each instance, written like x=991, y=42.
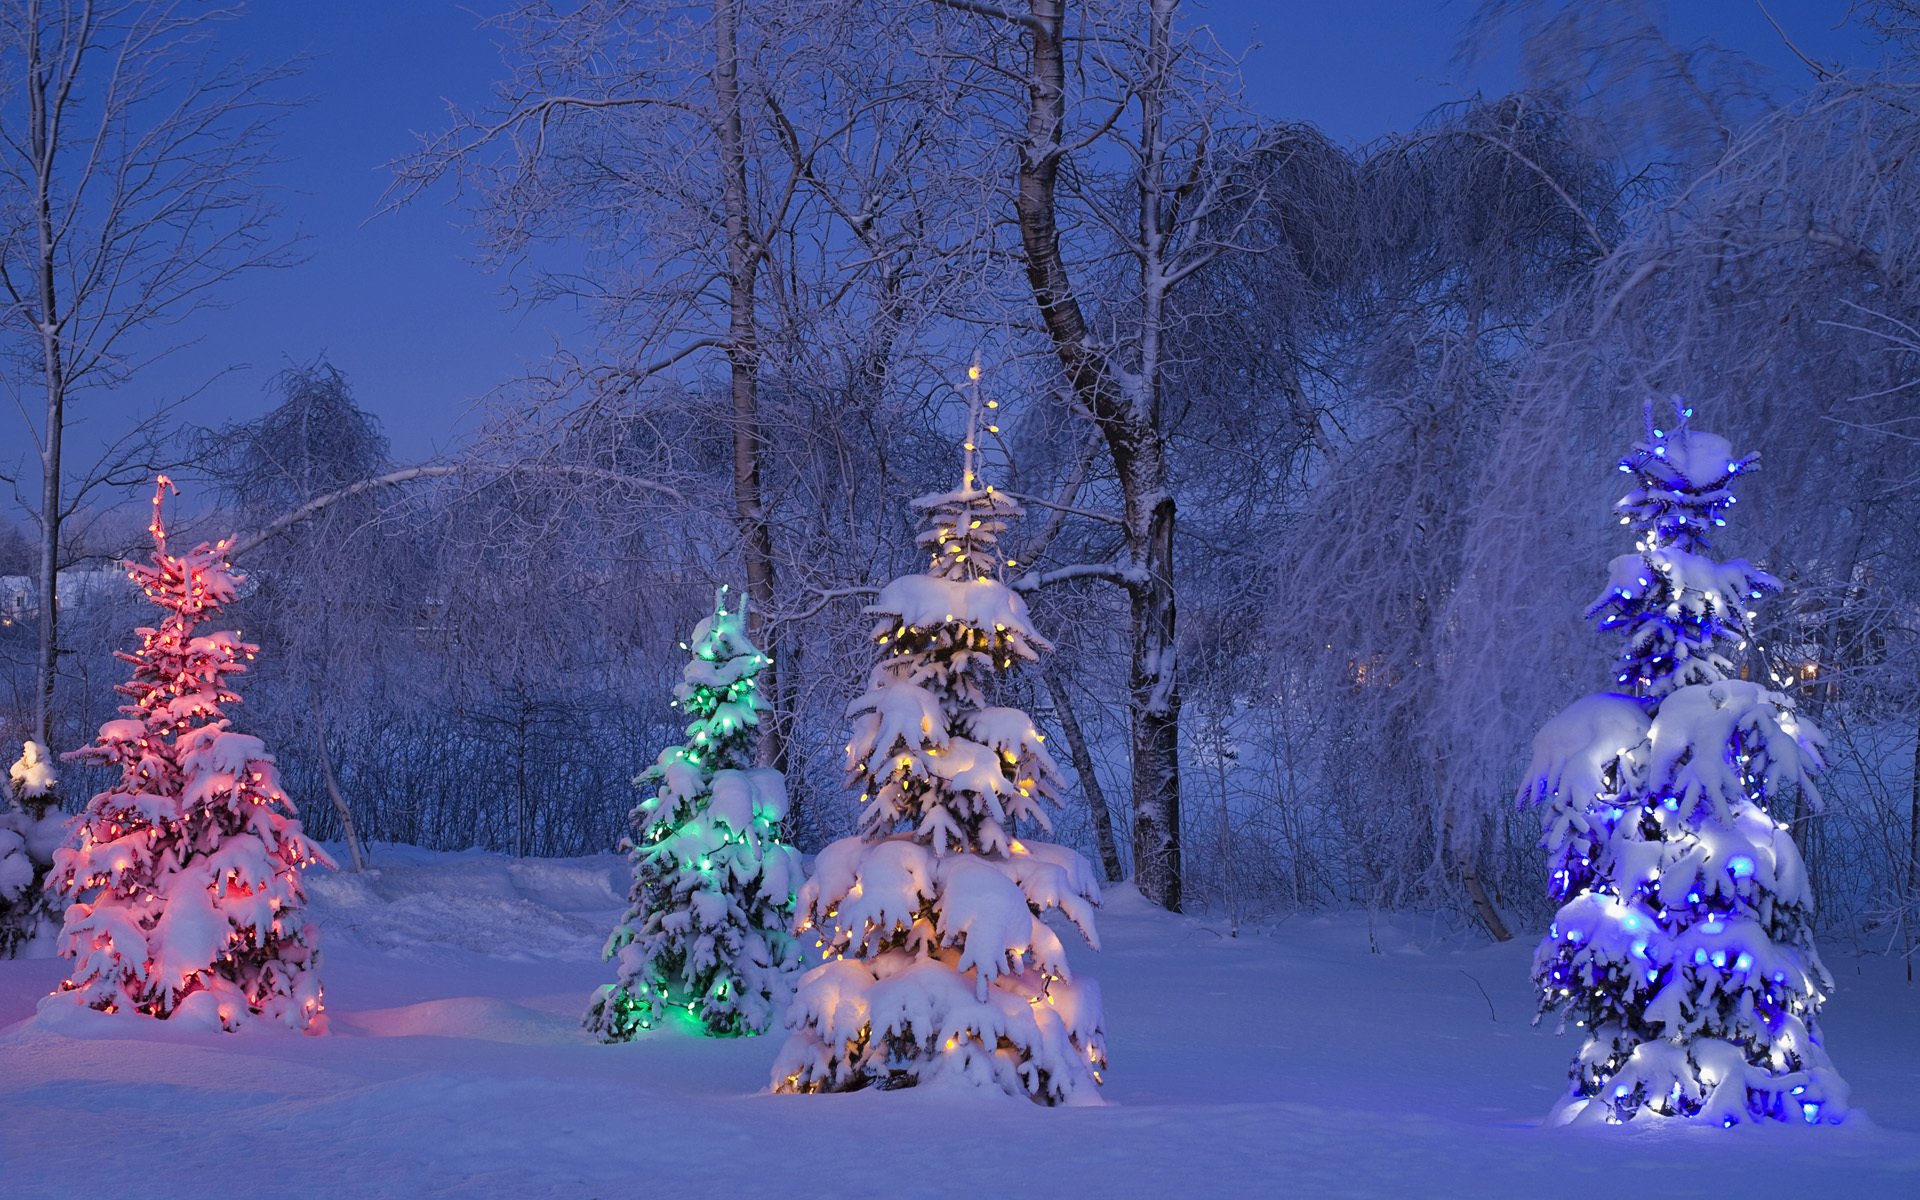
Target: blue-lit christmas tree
x=713, y=876
x=1683, y=944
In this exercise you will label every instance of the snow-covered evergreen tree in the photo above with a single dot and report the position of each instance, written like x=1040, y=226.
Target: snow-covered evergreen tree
x=1683, y=944
x=185, y=886
x=939, y=967
x=32, y=827
x=713, y=876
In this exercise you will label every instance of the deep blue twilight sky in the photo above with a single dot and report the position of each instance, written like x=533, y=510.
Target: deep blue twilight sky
x=396, y=303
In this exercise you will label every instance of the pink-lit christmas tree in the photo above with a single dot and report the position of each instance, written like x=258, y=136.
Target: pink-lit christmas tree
x=196, y=853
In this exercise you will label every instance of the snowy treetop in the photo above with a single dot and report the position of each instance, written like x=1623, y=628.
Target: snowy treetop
x=723, y=654
x=32, y=775
x=193, y=584
x=1683, y=480
x=963, y=529
x=976, y=499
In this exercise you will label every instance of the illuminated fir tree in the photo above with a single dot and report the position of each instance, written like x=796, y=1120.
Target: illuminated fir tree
x=940, y=969
x=186, y=883
x=713, y=877
x=1683, y=944
x=32, y=827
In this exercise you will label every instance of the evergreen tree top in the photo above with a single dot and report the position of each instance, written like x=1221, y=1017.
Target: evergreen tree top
x=962, y=530
x=1675, y=604
x=718, y=693
x=178, y=679
x=1683, y=481
x=32, y=775
x=723, y=654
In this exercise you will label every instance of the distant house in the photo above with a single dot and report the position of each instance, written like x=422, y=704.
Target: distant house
x=77, y=588
x=16, y=598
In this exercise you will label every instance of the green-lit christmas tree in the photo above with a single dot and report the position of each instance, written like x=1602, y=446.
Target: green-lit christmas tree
x=713, y=876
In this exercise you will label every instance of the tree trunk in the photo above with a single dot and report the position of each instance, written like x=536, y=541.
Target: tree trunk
x=1128, y=419
x=520, y=778
x=1483, y=905
x=1913, y=854
x=355, y=849
x=1465, y=864
x=1089, y=781
x=41, y=149
x=1156, y=720
x=743, y=363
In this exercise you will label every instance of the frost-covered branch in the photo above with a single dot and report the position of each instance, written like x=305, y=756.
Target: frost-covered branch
x=1131, y=578
x=280, y=525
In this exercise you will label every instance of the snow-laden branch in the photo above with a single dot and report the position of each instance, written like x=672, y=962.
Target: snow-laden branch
x=821, y=600
x=1054, y=505
x=281, y=524
x=314, y=506
x=1131, y=578
x=1024, y=21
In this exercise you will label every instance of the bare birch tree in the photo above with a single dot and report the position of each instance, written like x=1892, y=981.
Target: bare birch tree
x=627, y=126
x=129, y=151
x=740, y=185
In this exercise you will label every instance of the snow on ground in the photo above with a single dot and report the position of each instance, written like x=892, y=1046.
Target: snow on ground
x=1292, y=1060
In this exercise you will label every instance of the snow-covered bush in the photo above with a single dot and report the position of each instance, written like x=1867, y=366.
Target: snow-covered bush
x=185, y=885
x=1683, y=943
x=713, y=877
x=939, y=967
x=32, y=827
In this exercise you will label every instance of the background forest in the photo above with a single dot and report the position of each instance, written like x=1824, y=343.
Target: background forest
x=1354, y=407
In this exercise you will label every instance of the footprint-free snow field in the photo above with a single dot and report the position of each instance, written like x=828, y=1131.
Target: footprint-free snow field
x=1316, y=1056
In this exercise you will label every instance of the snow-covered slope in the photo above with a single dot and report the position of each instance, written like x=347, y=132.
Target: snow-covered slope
x=1290, y=1061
